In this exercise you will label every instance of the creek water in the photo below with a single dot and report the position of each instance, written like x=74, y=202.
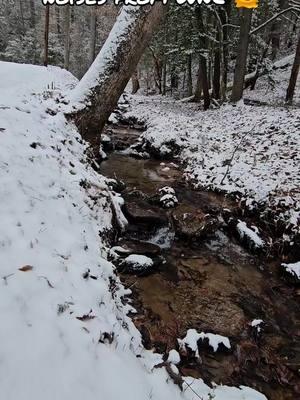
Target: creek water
x=213, y=285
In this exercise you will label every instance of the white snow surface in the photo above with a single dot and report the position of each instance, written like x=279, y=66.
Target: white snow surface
x=293, y=269
x=51, y=234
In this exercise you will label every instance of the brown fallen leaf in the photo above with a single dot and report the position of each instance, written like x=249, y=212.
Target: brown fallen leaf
x=26, y=268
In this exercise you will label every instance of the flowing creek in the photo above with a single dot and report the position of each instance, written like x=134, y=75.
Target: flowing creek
x=211, y=284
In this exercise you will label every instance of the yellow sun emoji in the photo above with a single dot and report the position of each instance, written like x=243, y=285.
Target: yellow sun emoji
x=247, y=3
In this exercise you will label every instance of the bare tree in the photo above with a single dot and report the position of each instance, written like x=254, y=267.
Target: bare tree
x=242, y=53
x=100, y=88
x=93, y=34
x=203, y=75
x=32, y=14
x=46, y=35
x=67, y=25
x=22, y=16
x=294, y=75
x=135, y=82
x=189, y=76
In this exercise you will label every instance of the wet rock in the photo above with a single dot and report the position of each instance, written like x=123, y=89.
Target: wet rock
x=193, y=223
x=140, y=247
x=136, y=257
x=107, y=143
x=139, y=211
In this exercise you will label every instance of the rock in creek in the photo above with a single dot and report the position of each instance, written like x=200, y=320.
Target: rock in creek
x=136, y=257
x=139, y=211
x=139, y=247
x=193, y=223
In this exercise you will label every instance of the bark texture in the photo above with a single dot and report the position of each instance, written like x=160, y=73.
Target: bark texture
x=242, y=53
x=46, y=35
x=93, y=35
x=135, y=82
x=97, y=94
x=203, y=61
x=294, y=75
x=67, y=24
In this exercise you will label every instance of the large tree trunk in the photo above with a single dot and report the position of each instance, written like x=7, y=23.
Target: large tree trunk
x=241, y=57
x=67, y=37
x=157, y=70
x=294, y=75
x=97, y=94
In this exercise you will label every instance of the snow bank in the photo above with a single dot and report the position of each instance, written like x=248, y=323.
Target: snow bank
x=64, y=330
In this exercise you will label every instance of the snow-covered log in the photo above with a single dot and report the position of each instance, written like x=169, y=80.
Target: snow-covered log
x=97, y=94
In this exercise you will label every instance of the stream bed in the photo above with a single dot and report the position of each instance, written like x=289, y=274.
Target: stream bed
x=211, y=283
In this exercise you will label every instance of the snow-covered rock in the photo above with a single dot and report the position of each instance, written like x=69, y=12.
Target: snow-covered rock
x=137, y=263
x=293, y=269
x=257, y=324
x=193, y=338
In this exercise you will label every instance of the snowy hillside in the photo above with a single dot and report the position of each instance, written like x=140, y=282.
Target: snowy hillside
x=64, y=330
x=252, y=150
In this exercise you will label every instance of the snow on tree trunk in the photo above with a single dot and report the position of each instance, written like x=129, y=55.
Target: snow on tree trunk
x=294, y=75
x=242, y=53
x=97, y=94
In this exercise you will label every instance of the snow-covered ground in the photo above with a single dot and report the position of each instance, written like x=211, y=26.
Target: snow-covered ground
x=64, y=330
x=250, y=150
